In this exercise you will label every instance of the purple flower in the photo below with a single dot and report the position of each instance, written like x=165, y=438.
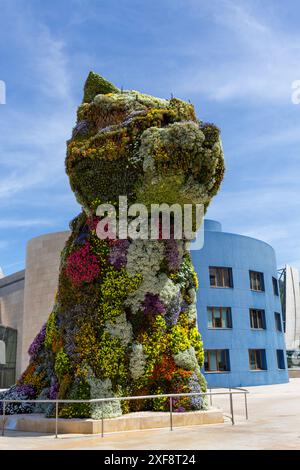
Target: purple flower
x=195, y=387
x=184, y=306
x=180, y=409
x=83, y=235
x=118, y=253
x=25, y=389
x=172, y=255
x=174, y=309
x=54, y=387
x=152, y=304
x=82, y=127
x=37, y=343
x=18, y=392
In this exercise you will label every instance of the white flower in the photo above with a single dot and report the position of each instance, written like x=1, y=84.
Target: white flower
x=137, y=361
x=187, y=359
x=120, y=329
x=103, y=389
x=191, y=312
x=144, y=257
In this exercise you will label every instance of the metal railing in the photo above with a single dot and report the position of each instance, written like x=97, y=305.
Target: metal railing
x=244, y=391
x=230, y=392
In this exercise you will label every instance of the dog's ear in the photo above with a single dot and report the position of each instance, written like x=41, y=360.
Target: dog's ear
x=96, y=85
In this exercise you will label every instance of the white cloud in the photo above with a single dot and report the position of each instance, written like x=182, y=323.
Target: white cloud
x=260, y=61
x=32, y=148
x=47, y=62
x=36, y=131
x=52, y=64
x=13, y=267
x=25, y=223
x=267, y=212
x=35, y=155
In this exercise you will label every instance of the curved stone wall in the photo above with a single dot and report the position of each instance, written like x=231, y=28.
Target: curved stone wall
x=42, y=266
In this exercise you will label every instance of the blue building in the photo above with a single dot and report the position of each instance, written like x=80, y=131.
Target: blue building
x=239, y=310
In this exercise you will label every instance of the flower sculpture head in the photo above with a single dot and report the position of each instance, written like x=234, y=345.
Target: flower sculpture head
x=149, y=149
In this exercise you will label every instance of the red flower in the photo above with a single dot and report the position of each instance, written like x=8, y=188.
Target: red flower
x=82, y=265
x=92, y=222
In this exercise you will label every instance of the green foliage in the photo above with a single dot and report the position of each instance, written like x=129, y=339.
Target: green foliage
x=186, y=276
x=195, y=340
x=99, y=248
x=110, y=358
x=62, y=364
x=51, y=330
x=116, y=286
x=160, y=403
x=179, y=339
x=80, y=390
x=105, y=180
x=154, y=345
x=94, y=85
x=177, y=146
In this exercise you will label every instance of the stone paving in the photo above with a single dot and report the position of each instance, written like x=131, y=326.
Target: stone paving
x=274, y=423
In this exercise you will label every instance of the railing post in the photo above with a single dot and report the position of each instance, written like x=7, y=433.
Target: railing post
x=210, y=396
x=246, y=405
x=3, y=417
x=171, y=413
x=102, y=422
x=56, y=419
x=231, y=408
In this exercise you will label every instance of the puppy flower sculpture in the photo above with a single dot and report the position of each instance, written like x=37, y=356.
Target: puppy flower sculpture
x=124, y=320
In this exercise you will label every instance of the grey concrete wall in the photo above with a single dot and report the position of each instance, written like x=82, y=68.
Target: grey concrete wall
x=42, y=267
x=11, y=308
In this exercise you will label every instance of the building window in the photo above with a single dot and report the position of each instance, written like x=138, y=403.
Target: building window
x=220, y=277
x=280, y=359
x=275, y=286
x=278, y=321
x=257, y=359
x=2, y=352
x=257, y=281
x=293, y=359
x=257, y=319
x=217, y=360
x=8, y=355
x=219, y=317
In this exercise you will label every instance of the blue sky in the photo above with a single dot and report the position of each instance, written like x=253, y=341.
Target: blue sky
x=235, y=60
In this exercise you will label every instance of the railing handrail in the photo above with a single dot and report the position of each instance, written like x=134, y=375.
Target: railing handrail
x=230, y=392
x=137, y=397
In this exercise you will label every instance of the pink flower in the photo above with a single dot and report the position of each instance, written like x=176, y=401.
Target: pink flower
x=82, y=265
